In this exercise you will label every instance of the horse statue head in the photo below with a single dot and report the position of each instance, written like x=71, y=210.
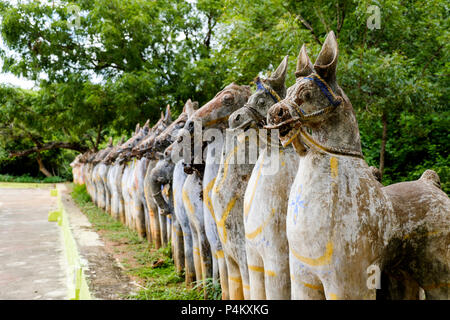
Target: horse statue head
x=144, y=147
x=215, y=113
x=112, y=155
x=316, y=113
x=269, y=91
x=169, y=135
x=124, y=150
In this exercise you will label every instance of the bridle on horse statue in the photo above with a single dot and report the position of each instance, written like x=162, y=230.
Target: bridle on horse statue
x=335, y=101
x=260, y=119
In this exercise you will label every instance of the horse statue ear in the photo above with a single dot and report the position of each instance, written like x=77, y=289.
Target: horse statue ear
x=138, y=127
x=168, y=116
x=190, y=107
x=277, y=79
x=187, y=102
x=110, y=142
x=326, y=62
x=304, y=64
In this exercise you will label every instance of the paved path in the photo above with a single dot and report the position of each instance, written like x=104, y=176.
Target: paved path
x=31, y=252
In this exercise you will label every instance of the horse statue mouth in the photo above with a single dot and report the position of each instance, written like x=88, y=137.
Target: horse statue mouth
x=288, y=130
x=244, y=126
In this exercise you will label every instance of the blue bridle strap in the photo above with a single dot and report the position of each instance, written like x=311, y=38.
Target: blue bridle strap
x=261, y=86
x=325, y=88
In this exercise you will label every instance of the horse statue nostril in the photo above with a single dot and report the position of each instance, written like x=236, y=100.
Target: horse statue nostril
x=280, y=112
x=238, y=117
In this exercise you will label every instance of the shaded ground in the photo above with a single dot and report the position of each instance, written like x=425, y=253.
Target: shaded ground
x=31, y=250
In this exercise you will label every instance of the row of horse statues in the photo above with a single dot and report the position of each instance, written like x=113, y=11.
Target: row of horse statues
x=318, y=225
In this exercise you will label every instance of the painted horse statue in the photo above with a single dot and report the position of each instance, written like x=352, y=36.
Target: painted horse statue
x=266, y=195
x=342, y=225
x=197, y=190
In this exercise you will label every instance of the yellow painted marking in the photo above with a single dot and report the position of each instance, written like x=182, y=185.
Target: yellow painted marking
x=333, y=296
x=207, y=199
x=308, y=285
x=295, y=134
x=219, y=254
x=174, y=199
x=428, y=234
x=256, y=268
x=269, y=273
x=196, y=251
x=178, y=233
x=187, y=202
x=252, y=235
x=221, y=223
x=283, y=163
x=238, y=280
x=248, y=205
x=246, y=287
x=321, y=261
x=209, y=123
x=334, y=167
x=435, y=286
x=225, y=170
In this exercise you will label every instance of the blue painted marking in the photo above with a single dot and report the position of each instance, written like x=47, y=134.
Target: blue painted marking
x=297, y=203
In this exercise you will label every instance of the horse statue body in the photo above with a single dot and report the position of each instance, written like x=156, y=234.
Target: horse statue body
x=125, y=154
x=161, y=186
x=197, y=190
x=266, y=195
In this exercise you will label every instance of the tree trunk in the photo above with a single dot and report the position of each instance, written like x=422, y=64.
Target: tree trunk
x=383, y=144
x=50, y=146
x=99, y=137
x=42, y=167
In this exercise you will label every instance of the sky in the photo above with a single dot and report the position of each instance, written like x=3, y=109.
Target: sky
x=7, y=78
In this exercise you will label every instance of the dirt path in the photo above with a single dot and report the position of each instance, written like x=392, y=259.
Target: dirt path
x=105, y=277
x=32, y=262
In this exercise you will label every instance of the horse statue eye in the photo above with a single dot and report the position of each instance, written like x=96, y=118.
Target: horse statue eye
x=261, y=101
x=228, y=98
x=306, y=95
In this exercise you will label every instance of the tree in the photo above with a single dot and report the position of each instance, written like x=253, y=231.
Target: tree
x=396, y=72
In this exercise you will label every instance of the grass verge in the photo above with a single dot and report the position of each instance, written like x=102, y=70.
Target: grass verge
x=30, y=179
x=154, y=269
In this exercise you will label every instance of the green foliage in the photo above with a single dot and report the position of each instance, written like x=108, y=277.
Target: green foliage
x=80, y=195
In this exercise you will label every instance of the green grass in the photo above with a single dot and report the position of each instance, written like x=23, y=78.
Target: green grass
x=29, y=179
x=162, y=282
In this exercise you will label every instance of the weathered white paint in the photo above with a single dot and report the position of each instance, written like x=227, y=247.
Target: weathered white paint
x=265, y=209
